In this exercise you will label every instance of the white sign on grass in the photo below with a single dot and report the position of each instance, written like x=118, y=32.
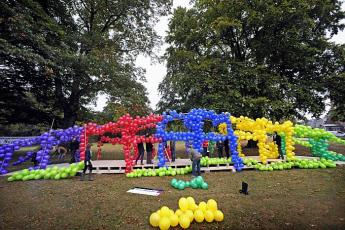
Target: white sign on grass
x=145, y=191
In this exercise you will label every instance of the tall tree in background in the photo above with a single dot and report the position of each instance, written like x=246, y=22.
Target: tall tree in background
x=254, y=58
x=77, y=49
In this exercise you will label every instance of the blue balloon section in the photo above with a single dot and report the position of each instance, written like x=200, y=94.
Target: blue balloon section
x=194, y=122
x=47, y=141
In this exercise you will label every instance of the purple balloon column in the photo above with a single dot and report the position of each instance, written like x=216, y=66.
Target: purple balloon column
x=46, y=141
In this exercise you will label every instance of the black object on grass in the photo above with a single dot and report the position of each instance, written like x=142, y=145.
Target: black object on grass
x=244, y=189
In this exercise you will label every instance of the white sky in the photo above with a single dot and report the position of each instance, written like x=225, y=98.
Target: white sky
x=155, y=72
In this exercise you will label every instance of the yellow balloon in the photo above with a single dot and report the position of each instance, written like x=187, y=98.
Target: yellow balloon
x=212, y=205
x=190, y=214
x=173, y=220
x=184, y=221
x=218, y=216
x=171, y=212
x=164, y=223
x=202, y=206
x=191, y=202
x=209, y=217
x=199, y=216
x=154, y=219
x=178, y=212
x=183, y=204
x=165, y=211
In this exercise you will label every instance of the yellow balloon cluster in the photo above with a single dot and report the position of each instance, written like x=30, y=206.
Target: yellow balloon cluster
x=188, y=212
x=257, y=130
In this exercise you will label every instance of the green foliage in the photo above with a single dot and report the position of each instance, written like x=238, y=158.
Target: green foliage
x=64, y=53
x=252, y=58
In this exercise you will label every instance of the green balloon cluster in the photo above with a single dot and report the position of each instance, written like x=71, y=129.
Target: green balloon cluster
x=250, y=162
x=297, y=163
x=318, y=142
x=49, y=173
x=319, y=148
x=205, y=161
x=309, y=132
x=159, y=172
x=303, y=143
x=196, y=183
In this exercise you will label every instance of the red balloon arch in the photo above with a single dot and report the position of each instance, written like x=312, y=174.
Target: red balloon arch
x=128, y=127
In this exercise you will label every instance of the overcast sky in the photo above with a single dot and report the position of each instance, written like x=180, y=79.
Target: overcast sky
x=155, y=72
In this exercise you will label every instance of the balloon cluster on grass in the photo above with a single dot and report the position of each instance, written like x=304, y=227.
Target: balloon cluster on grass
x=194, y=122
x=318, y=140
x=195, y=183
x=297, y=163
x=164, y=171
x=49, y=173
x=46, y=141
x=188, y=212
x=257, y=130
x=205, y=161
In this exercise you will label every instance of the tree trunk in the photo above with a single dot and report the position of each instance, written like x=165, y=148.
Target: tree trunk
x=69, y=105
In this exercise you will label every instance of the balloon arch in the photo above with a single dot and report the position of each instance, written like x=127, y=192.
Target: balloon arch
x=132, y=130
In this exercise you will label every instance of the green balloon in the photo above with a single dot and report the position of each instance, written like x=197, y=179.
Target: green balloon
x=64, y=175
x=193, y=185
x=57, y=177
x=10, y=179
x=181, y=186
x=37, y=177
x=204, y=185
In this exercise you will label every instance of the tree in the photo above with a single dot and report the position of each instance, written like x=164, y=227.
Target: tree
x=93, y=48
x=253, y=58
x=335, y=83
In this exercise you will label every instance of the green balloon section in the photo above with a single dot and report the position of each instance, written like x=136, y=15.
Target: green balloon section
x=205, y=161
x=164, y=171
x=53, y=173
x=284, y=165
x=196, y=183
x=318, y=142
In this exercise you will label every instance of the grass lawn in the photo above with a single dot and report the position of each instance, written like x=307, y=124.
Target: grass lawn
x=291, y=199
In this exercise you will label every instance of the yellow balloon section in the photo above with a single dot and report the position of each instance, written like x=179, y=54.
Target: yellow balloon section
x=257, y=130
x=188, y=211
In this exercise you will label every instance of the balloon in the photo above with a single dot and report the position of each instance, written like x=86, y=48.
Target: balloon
x=183, y=204
x=212, y=205
x=178, y=212
x=164, y=223
x=184, y=221
x=199, y=216
x=174, y=220
x=202, y=206
x=164, y=211
x=191, y=202
x=209, y=217
x=154, y=219
x=190, y=215
x=218, y=216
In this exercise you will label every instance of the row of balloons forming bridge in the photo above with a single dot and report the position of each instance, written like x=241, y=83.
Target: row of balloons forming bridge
x=194, y=121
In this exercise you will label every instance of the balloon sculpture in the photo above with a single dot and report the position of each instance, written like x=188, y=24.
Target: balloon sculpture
x=258, y=129
x=46, y=142
x=188, y=211
x=129, y=128
x=318, y=140
x=194, y=122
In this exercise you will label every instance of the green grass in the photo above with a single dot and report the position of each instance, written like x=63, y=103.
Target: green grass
x=291, y=199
